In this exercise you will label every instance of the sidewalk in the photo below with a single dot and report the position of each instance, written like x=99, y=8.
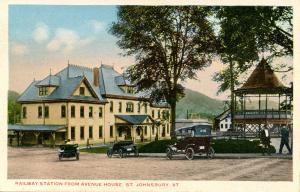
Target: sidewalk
x=225, y=155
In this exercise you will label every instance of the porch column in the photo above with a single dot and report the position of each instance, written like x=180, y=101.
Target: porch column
x=53, y=137
x=36, y=134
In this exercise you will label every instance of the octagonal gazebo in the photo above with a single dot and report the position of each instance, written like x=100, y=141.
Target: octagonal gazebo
x=263, y=101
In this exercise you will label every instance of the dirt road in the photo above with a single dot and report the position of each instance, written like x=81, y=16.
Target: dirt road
x=43, y=163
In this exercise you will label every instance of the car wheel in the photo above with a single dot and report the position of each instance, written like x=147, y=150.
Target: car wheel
x=136, y=153
x=109, y=154
x=121, y=155
x=211, y=153
x=189, y=153
x=169, y=153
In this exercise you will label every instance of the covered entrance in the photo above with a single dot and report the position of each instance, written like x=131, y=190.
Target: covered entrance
x=36, y=134
x=134, y=127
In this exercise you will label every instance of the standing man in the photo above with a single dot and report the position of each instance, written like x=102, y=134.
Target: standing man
x=284, y=139
x=265, y=140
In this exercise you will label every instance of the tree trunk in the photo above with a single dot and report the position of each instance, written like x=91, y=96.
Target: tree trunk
x=231, y=94
x=173, y=117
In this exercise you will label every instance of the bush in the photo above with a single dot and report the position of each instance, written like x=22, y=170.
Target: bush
x=219, y=145
x=238, y=146
x=159, y=146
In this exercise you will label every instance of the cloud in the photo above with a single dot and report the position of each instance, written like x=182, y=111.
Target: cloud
x=41, y=33
x=17, y=48
x=67, y=40
x=96, y=26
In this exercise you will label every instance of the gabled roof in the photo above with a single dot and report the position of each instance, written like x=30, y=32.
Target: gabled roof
x=262, y=78
x=223, y=115
x=134, y=119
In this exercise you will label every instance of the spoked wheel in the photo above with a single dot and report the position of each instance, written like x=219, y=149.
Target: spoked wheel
x=169, y=153
x=121, y=155
x=109, y=154
x=211, y=153
x=189, y=153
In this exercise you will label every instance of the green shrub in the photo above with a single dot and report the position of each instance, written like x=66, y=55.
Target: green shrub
x=156, y=146
x=219, y=145
x=238, y=146
x=95, y=150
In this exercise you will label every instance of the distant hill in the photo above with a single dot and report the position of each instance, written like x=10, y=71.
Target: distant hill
x=14, y=108
x=197, y=102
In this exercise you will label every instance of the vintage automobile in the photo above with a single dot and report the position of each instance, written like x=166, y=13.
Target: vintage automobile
x=68, y=151
x=190, y=141
x=123, y=148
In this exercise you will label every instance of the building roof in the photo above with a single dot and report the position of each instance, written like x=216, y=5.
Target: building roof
x=180, y=123
x=134, y=119
x=68, y=79
x=50, y=80
x=262, y=80
x=223, y=115
x=39, y=128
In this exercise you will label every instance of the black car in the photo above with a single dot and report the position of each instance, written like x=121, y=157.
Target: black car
x=123, y=148
x=68, y=151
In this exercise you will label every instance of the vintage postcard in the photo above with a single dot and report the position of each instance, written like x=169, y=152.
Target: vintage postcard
x=149, y=96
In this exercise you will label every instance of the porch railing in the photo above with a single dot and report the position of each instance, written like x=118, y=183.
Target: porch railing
x=257, y=114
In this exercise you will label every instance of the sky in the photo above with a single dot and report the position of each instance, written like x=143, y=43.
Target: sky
x=44, y=38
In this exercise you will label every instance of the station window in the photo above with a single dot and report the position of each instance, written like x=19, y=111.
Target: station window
x=81, y=111
x=100, y=131
x=111, y=131
x=81, y=91
x=100, y=112
x=90, y=132
x=73, y=111
x=90, y=111
x=73, y=133
x=46, y=111
x=24, y=112
x=40, y=112
x=63, y=111
x=82, y=132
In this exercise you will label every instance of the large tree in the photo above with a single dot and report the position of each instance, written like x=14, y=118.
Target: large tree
x=247, y=32
x=170, y=44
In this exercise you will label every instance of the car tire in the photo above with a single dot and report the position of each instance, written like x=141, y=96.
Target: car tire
x=121, y=155
x=109, y=154
x=189, y=153
x=211, y=153
x=169, y=153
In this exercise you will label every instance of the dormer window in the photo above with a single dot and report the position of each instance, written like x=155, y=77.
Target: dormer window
x=81, y=91
x=43, y=91
x=130, y=90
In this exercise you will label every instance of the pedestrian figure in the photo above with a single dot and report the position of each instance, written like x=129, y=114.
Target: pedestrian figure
x=284, y=139
x=265, y=140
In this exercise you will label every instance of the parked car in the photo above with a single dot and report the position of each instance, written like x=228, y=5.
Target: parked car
x=68, y=151
x=191, y=146
x=192, y=140
x=123, y=148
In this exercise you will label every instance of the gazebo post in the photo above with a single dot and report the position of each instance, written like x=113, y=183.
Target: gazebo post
x=279, y=105
x=286, y=105
x=36, y=134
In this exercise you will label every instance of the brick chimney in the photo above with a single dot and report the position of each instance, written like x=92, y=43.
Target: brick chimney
x=96, y=76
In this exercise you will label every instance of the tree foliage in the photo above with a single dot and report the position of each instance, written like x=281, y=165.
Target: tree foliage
x=170, y=44
x=247, y=32
x=14, y=108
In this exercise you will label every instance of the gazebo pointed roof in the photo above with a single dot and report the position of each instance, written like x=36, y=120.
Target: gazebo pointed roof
x=262, y=80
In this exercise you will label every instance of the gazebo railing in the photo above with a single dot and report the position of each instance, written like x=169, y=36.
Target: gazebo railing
x=269, y=114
